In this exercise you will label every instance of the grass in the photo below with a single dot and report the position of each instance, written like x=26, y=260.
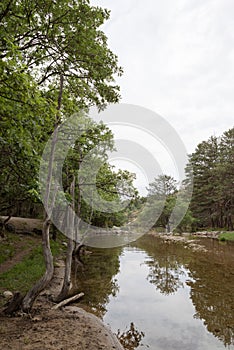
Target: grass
x=7, y=246
x=226, y=236
x=24, y=274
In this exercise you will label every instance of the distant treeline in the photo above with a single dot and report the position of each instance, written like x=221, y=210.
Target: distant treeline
x=210, y=176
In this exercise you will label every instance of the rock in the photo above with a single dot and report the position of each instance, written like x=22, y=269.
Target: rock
x=37, y=319
x=7, y=294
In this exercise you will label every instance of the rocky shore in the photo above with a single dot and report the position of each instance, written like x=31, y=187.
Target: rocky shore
x=190, y=240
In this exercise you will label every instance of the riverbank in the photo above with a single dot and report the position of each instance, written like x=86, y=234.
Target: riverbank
x=45, y=328
x=183, y=238
x=49, y=329
x=191, y=240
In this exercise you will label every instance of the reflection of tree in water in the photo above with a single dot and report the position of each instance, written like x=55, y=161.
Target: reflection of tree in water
x=166, y=264
x=212, y=292
x=211, y=280
x=96, y=278
x=131, y=338
x=165, y=277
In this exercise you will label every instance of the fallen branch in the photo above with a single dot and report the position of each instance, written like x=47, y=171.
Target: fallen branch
x=67, y=301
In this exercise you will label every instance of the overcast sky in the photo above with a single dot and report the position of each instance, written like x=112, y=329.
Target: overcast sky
x=178, y=60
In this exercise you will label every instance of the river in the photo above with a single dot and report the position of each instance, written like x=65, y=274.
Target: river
x=162, y=296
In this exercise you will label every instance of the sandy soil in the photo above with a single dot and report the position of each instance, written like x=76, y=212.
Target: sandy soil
x=71, y=328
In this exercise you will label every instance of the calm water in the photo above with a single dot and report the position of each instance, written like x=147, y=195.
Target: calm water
x=161, y=296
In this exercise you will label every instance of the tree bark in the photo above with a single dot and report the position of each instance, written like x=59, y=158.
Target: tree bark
x=70, y=247
x=67, y=275
x=46, y=278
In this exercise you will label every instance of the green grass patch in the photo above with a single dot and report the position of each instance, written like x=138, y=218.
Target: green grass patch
x=23, y=275
x=226, y=236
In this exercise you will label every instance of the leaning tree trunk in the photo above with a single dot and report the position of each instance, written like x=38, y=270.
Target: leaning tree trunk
x=46, y=278
x=70, y=247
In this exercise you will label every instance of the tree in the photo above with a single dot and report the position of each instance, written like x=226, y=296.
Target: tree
x=212, y=199
x=162, y=186
x=203, y=162
x=226, y=178
x=60, y=46
x=162, y=192
x=25, y=120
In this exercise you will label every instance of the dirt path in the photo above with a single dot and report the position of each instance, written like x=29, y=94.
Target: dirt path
x=18, y=257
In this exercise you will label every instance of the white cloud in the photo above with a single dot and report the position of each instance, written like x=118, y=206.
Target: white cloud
x=178, y=59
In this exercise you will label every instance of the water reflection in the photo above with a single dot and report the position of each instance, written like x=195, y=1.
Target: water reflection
x=96, y=279
x=211, y=280
x=173, y=295
x=212, y=291
x=131, y=338
x=166, y=264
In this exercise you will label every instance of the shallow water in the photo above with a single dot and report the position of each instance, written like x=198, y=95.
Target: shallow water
x=162, y=296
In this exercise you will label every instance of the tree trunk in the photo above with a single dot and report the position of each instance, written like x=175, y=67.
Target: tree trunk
x=70, y=247
x=67, y=275
x=46, y=278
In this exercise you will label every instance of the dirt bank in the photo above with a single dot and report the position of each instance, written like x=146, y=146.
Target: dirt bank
x=69, y=328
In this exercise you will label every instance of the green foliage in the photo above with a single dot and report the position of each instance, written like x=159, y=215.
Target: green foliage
x=7, y=249
x=162, y=186
x=54, y=38
x=24, y=121
x=213, y=196
x=40, y=42
x=99, y=190
x=167, y=204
